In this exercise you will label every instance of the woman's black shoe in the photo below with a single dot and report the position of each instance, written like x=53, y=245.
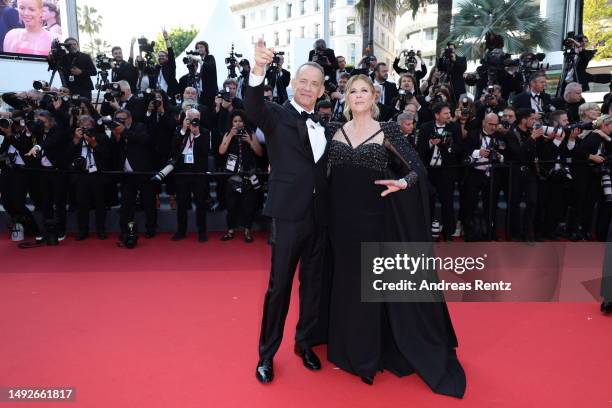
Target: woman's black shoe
x=368, y=380
x=228, y=236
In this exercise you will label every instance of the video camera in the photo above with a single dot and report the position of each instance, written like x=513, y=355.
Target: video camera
x=108, y=122
x=148, y=65
x=225, y=94
x=330, y=86
x=103, y=62
x=113, y=91
x=232, y=62
x=410, y=61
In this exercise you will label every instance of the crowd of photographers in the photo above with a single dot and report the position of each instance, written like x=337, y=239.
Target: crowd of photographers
x=140, y=130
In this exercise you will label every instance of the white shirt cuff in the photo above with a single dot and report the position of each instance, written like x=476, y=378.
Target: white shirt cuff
x=557, y=142
x=476, y=154
x=571, y=144
x=255, y=80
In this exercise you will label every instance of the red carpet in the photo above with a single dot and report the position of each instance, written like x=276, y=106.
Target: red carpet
x=176, y=325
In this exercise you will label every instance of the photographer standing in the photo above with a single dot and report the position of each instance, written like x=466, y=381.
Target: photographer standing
x=190, y=155
x=368, y=66
x=90, y=155
x=124, y=70
x=581, y=59
x=135, y=154
x=241, y=149
x=243, y=78
x=389, y=90
x=413, y=62
x=338, y=98
x=571, y=101
x=342, y=68
x=192, y=78
x=454, y=67
x=535, y=98
x=522, y=153
x=325, y=57
x=278, y=79
x=165, y=70
x=51, y=146
x=77, y=69
x=161, y=124
x=208, y=74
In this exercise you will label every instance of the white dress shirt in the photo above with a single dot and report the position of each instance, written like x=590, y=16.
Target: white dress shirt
x=316, y=132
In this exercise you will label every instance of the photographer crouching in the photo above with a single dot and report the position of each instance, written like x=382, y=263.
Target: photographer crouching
x=241, y=148
x=90, y=156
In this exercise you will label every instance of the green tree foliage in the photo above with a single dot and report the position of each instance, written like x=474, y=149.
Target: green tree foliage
x=597, y=24
x=179, y=37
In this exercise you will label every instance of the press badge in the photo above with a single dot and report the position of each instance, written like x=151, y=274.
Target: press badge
x=189, y=158
x=230, y=165
x=71, y=78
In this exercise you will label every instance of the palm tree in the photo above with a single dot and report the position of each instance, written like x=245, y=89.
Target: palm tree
x=395, y=7
x=90, y=22
x=518, y=22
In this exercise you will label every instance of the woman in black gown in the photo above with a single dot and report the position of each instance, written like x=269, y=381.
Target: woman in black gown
x=370, y=204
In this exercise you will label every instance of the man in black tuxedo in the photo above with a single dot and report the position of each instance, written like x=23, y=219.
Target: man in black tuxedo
x=297, y=149
x=440, y=145
x=208, y=74
x=124, y=70
x=455, y=66
x=278, y=79
x=77, y=70
x=418, y=75
x=136, y=106
x=165, y=70
x=325, y=57
x=342, y=69
x=389, y=90
x=135, y=151
x=535, y=98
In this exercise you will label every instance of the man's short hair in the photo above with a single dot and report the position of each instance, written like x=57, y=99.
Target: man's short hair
x=71, y=39
x=437, y=107
x=268, y=88
x=537, y=75
x=123, y=84
x=555, y=115
x=339, y=56
x=310, y=64
x=116, y=47
x=324, y=104
x=192, y=112
x=571, y=87
x=124, y=111
x=380, y=64
x=510, y=108
x=405, y=116
x=587, y=106
x=523, y=113
x=229, y=81
x=44, y=113
x=344, y=75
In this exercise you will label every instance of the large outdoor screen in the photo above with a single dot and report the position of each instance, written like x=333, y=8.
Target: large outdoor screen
x=28, y=27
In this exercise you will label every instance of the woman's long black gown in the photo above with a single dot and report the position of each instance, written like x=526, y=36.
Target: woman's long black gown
x=365, y=338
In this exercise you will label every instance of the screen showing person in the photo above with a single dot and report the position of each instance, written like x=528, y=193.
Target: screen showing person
x=40, y=26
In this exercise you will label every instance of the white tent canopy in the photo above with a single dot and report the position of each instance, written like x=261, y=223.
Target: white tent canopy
x=219, y=29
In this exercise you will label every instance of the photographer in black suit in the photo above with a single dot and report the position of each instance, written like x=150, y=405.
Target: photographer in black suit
x=342, y=69
x=368, y=65
x=135, y=153
x=439, y=145
x=325, y=57
x=90, y=154
x=190, y=155
x=165, y=70
x=51, y=150
x=454, y=66
x=124, y=70
x=208, y=74
x=278, y=79
x=581, y=61
x=297, y=147
x=77, y=69
x=535, y=98
x=389, y=90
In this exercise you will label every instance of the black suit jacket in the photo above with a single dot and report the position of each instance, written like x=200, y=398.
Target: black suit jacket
x=456, y=75
x=208, y=75
x=136, y=106
x=363, y=71
x=169, y=72
x=56, y=146
x=330, y=70
x=391, y=93
x=418, y=75
x=82, y=84
x=523, y=100
x=137, y=145
x=125, y=71
x=201, y=146
x=294, y=175
x=101, y=153
x=450, y=150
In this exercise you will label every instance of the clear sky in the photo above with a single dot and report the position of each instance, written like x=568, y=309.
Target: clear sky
x=125, y=19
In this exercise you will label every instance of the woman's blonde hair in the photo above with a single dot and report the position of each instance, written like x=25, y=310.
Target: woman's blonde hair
x=347, y=109
x=585, y=107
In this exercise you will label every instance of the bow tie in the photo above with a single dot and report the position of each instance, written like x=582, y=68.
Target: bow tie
x=312, y=116
x=536, y=96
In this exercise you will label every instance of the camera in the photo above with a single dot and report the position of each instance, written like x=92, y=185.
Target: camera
x=35, y=127
x=232, y=62
x=410, y=61
x=225, y=95
x=80, y=164
x=446, y=61
x=40, y=85
x=129, y=239
x=108, y=122
x=330, y=87
x=276, y=57
x=505, y=124
x=194, y=122
x=103, y=62
x=6, y=123
x=582, y=125
x=113, y=91
x=320, y=58
x=189, y=60
x=145, y=46
x=405, y=95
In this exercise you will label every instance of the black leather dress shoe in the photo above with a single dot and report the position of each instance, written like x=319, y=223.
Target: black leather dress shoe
x=150, y=234
x=264, y=371
x=309, y=358
x=81, y=236
x=178, y=236
x=102, y=235
x=606, y=307
x=368, y=380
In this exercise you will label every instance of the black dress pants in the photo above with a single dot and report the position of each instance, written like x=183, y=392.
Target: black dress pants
x=131, y=184
x=292, y=242
x=54, y=191
x=186, y=186
x=90, y=187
